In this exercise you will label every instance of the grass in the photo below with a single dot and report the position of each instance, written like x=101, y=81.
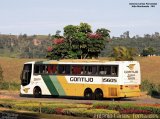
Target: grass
x=9, y=85
x=150, y=67
x=12, y=68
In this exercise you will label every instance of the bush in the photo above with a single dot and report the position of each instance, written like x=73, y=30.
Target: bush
x=74, y=111
x=113, y=106
x=4, y=86
x=6, y=105
x=87, y=112
x=154, y=110
x=134, y=111
x=145, y=85
x=158, y=88
x=151, y=88
x=79, y=110
x=127, y=106
x=9, y=85
x=27, y=106
x=48, y=108
x=1, y=74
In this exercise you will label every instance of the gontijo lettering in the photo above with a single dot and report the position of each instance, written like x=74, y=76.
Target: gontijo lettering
x=81, y=79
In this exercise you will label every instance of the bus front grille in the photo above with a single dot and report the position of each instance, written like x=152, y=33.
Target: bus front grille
x=112, y=91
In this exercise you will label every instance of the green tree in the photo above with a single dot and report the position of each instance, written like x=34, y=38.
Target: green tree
x=104, y=32
x=85, y=28
x=57, y=35
x=1, y=73
x=78, y=42
x=145, y=52
x=122, y=53
x=148, y=51
x=69, y=33
x=151, y=51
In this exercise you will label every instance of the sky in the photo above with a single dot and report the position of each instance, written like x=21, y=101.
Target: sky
x=48, y=16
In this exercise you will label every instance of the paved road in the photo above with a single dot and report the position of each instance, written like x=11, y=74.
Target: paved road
x=143, y=99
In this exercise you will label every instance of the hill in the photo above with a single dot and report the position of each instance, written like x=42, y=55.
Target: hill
x=35, y=46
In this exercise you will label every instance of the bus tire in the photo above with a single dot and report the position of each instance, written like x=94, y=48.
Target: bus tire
x=98, y=94
x=88, y=94
x=37, y=93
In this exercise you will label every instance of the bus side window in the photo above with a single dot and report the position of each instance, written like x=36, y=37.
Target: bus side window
x=61, y=69
x=114, y=70
x=76, y=69
x=54, y=69
x=102, y=70
x=89, y=70
x=46, y=69
x=67, y=69
x=81, y=69
x=42, y=69
x=94, y=69
x=50, y=71
x=64, y=69
x=36, y=69
x=85, y=71
x=108, y=70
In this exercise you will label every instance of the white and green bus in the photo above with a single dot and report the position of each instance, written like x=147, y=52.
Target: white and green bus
x=93, y=79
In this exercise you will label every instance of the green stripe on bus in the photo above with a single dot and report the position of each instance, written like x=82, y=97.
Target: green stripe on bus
x=50, y=85
x=57, y=85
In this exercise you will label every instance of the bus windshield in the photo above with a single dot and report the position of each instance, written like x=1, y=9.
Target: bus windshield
x=26, y=74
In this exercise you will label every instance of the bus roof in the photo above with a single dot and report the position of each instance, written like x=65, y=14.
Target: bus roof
x=78, y=61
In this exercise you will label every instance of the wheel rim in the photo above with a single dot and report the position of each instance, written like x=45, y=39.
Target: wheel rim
x=99, y=95
x=37, y=93
x=88, y=95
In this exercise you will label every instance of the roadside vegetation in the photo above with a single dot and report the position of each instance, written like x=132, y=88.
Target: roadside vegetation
x=1, y=74
x=151, y=88
x=81, y=110
x=121, y=53
x=9, y=85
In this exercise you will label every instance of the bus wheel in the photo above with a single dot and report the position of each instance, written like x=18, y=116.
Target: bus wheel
x=88, y=94
x=37, y=92
x=98, y=94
